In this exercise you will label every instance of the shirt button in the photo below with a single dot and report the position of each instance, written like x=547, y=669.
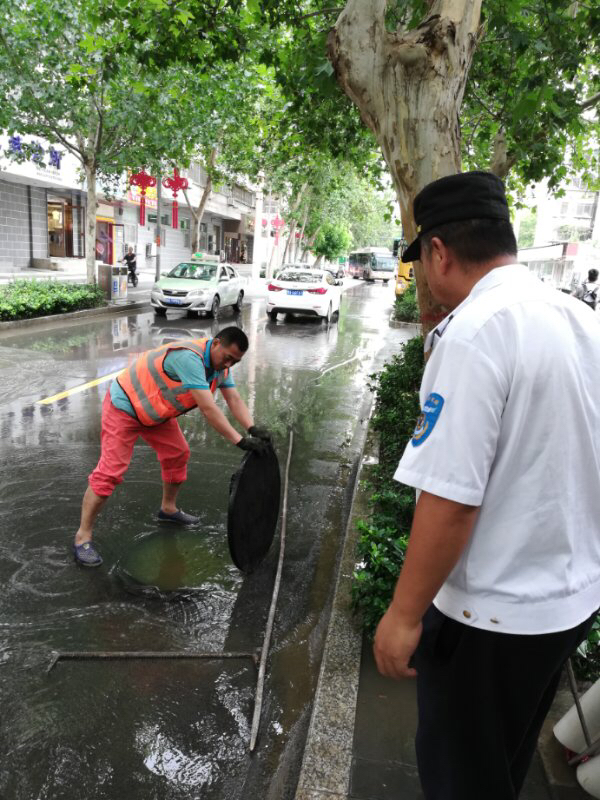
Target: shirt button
x=467, y=614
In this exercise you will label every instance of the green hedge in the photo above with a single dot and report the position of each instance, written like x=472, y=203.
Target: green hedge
x=384, y=537
x=406, y=308
x=26, y=299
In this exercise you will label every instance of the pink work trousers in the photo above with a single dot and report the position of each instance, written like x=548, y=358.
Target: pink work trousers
x=119, y=434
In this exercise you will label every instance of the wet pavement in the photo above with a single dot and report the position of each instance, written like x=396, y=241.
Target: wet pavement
x=169, y=729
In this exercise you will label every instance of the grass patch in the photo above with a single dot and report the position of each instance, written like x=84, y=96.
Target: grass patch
x=27, y=299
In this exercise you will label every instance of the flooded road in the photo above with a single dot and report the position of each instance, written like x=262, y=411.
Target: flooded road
x=170, y=729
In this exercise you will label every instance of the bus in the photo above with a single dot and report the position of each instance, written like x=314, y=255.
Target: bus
x=372, y=263
x=405, y=273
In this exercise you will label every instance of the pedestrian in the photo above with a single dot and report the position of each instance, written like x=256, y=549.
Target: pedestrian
x=145, y=400
x=130, y=259
x=588, y=290
x=501, y=579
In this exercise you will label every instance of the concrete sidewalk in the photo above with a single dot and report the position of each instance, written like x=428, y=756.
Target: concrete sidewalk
x=360, y=743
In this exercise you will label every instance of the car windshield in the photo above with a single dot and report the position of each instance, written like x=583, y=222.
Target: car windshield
x=196, y=272
x=296, y=276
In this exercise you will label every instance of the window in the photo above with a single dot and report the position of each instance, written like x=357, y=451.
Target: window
x=184, y=224
x=130, y=234
x=231, y=272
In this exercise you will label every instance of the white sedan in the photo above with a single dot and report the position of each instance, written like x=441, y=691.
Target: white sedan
x=304, y=291
x=200, y=286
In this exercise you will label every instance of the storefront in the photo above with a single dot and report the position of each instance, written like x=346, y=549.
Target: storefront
x=66, y=226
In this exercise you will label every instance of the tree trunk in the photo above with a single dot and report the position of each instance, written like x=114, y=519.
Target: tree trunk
x=310, y=243
x=198, y=213
x=288, y=251
x=298, y=244
x=408, y=86
x=90, y=227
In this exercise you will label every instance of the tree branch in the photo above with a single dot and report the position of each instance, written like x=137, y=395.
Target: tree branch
x=590, y=102
x=323, y=11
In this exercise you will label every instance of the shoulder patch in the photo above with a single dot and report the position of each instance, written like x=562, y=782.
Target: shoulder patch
x=429, y=416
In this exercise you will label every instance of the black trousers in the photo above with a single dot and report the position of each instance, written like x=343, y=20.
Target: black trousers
x=482, y=699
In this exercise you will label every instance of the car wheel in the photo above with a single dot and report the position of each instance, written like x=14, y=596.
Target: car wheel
x=214, y=307
x=237, y=306
x=327, y=317
x=160, y=312
x=272, y=315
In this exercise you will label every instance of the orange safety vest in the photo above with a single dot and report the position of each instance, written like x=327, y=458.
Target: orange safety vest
x=155, y=396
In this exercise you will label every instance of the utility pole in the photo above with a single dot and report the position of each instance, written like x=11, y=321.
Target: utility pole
x=158, y=228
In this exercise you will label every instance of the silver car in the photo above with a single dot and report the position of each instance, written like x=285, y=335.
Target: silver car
x=199, y=286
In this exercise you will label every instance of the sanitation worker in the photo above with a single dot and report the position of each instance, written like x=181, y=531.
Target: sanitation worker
x=501, y=580
x=145, y=400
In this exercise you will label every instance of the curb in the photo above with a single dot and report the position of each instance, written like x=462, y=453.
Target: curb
x=326, y=765
x=72, y=316
x=410, y=326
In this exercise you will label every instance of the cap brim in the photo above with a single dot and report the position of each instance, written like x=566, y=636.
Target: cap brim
x=413, y=251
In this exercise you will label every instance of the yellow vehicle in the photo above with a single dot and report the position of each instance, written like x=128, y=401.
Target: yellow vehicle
x=405, y=272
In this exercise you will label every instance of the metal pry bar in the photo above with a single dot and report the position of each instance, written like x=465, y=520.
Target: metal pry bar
x=108, y=655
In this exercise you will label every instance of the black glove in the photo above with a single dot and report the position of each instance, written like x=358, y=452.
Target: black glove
x=252, y=443
x=261, y=433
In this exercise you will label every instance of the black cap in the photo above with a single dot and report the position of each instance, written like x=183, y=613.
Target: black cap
x=468, y=195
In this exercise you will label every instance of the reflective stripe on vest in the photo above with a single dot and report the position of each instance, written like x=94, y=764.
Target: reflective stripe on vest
x=155, y=396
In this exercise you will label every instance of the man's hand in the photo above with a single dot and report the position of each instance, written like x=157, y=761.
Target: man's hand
x=395, y=643
x=252, y=443
x=261, y=433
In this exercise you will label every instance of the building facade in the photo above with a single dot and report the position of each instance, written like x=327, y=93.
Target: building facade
x=43, y=212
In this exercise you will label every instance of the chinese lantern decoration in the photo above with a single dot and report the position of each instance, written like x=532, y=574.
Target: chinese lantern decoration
x=144, y=182
x=278, y=224
x=175, y=184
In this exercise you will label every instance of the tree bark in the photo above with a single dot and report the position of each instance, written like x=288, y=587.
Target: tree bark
x=301, y=237
x=90, y=227
x=408, y=86
x=198, y=213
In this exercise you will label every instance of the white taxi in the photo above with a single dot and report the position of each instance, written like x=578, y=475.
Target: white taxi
x=200, y=286
x=299, y=290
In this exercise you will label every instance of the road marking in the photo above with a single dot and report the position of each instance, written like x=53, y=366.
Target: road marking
x=47, y=400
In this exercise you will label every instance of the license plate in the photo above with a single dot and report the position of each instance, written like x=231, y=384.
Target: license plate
x=174, y=301
x=295, y=291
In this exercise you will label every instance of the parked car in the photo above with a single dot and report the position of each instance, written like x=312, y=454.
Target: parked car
x=200, y=286
x=334, y=269
x=304, y=291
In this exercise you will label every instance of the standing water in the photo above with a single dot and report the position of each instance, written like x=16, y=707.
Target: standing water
x=169, y=729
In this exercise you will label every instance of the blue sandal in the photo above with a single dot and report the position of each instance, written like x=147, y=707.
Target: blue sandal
x=179, y=517
x=87, y=555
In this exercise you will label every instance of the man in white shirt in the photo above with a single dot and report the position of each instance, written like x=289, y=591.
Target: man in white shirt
x=501, y=580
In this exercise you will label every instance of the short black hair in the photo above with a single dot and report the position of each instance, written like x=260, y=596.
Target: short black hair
x=592, y=275
x=475, y=241
x=233, y=335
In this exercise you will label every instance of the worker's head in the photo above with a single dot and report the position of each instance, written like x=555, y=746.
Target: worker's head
x=464, y=231
x=592, y=275
x=130, y=250
x=228, y=347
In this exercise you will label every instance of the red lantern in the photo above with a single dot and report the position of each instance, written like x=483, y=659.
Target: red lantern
x=175, y=184
x=143, y=181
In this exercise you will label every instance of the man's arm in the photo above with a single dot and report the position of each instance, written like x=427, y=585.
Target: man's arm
x=441, y=528
x=237, y=407
x=214, y=416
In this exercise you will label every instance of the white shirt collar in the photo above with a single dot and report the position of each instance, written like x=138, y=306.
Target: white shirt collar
x=495, y=277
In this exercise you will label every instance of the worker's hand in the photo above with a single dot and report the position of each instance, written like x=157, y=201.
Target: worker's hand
x=261, y=433
x=395, y=643
x=252, y=443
